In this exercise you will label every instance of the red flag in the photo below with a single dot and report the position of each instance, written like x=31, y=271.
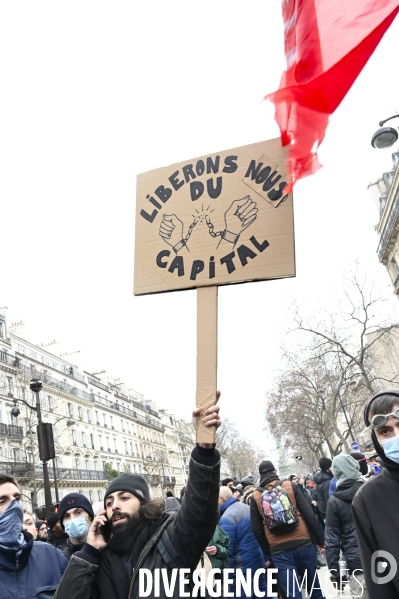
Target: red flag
x=327, y=44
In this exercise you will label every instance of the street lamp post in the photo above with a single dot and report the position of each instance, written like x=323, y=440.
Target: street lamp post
x=44, y=437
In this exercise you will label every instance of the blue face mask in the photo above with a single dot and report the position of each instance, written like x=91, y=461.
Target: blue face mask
x=391, y=448
x=76, y=527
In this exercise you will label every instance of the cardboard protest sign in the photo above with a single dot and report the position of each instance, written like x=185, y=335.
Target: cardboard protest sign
x=218, y=219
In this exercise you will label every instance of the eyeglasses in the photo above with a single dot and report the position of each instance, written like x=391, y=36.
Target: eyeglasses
x=380, y=420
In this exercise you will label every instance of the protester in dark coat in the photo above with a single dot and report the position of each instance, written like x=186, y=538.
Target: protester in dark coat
x=133, y=533
x=56, y=534
x=340, y=534
x=375, y=505
x=322, y=480
x=28, y=569
x=76, y=514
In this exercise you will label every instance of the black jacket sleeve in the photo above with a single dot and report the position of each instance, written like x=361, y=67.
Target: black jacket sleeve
x=367, y=544
x=257, y=526
x=332, y=536
x=198, y=516
x=308, y=515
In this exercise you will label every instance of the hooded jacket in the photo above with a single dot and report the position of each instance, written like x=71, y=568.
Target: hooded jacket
x=34, y=574
x=340, y=531
x=322, y=480
x=178, y=542
x=375, y=514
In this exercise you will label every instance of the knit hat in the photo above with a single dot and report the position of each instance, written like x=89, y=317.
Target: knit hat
x=266, y=466
x=344, y=468
x=361, y=460
x=133, y=483
x=52, y=520
x=72, y=501
x=248, y=480
x=38, y=524
x=325, y=464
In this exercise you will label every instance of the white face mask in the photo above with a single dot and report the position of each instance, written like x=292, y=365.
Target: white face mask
x=391, y=448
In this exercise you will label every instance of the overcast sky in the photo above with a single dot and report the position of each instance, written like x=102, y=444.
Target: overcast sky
x=94, y=93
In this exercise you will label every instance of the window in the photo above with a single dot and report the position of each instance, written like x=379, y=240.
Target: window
x=70, y=410
x=84, y=439
x=131, y=447
x=118, y=466
x=23, y=391
x=91, y=497
x=97, y=418
x=77, y=463
x=99, y=495
x=125, y=442
x=115, y=445
x=108, y=444
x=92, y=441
x=104, y=419
x=50, y=403
x=123, y=425
x=100, y=440
x=95, y=465
x=87, y=464
x=9, y=385
x=80, y=412
x=88, y=417
x=72, y=437
x=112, y=421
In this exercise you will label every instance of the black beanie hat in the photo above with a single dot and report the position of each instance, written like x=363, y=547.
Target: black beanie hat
x=52, y=520
x=325, y=464
x=361, y=460
x=72, y=501
x=266, y=466
x=38, y=523
x=133, y=483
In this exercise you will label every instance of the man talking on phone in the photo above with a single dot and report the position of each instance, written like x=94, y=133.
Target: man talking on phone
x=133, y=532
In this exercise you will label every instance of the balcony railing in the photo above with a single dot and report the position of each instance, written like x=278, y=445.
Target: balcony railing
x=116, y=406
x=74, y=474
x=17, y=469
x=8, y=359
x=98, y=384
x=11, y=430
x=61, y=385
x=68, y=370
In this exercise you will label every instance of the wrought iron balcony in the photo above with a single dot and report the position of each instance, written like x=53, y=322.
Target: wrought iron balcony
x=8, y=359
x=11, y=430
x=17, y=469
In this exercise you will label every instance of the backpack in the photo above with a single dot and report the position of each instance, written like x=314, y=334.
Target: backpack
x=277, y=509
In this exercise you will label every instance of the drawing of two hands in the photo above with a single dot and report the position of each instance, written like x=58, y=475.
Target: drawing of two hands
x=238, y=217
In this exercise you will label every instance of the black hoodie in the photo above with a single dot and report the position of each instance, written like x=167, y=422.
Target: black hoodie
x=375, y=514
x=340, y=530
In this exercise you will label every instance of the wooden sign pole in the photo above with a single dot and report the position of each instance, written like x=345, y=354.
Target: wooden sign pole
x=207, y=320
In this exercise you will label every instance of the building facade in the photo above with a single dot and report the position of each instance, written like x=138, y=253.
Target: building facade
x=100, y=427
x=385, y=193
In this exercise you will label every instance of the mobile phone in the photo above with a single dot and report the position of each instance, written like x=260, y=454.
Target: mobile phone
x=105, y=530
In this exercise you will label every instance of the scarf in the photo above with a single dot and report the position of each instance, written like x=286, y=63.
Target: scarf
x=119, y=558
x=11, y=523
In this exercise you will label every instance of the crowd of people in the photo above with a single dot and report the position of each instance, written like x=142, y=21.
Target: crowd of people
x=233, y=532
